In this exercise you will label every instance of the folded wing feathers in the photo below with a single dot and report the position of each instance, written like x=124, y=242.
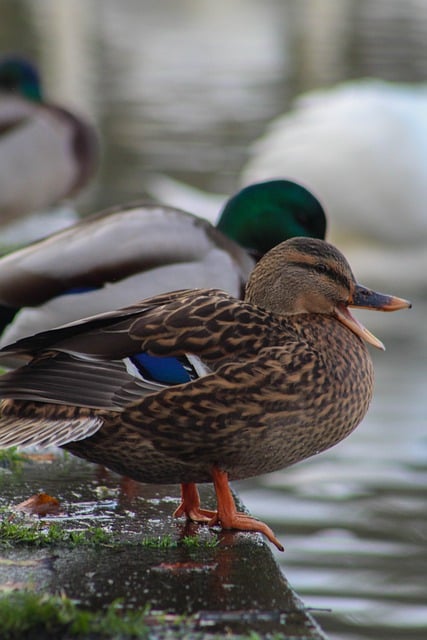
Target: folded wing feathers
x=75, y=380
x=67, y=380
x=27, y=432
x=114, y=335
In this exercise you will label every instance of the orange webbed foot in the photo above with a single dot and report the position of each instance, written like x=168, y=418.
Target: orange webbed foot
x=229, y=517
x=190, y=505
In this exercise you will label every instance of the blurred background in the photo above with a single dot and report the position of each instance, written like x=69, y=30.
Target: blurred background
x=181, y=90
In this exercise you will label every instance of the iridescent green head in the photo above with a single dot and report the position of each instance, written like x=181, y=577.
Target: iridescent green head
x=264, y=214
x=20, y=77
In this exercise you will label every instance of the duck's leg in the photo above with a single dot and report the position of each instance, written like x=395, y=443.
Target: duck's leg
x=227, y=514
x=190, y=505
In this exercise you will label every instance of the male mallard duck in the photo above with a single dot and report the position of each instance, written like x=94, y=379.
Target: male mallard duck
x=362, y=147
x=46, y=152
x=107, y=260
x=260, y=384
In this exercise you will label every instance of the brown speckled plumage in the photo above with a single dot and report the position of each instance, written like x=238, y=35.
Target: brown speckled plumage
x=286, y=375
x=273, y=412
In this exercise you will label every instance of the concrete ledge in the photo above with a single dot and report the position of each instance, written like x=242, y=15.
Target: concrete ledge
x=205, y=583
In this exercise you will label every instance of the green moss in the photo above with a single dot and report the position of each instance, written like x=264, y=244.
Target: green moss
x=41, y=535
x=12, y=459
x=16, y=531
x=27, y=614
x=194, y=542
x=159, y=542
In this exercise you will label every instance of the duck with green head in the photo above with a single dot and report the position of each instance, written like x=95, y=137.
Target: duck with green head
x=47, y=153
x=140, y=250
x=269, y=380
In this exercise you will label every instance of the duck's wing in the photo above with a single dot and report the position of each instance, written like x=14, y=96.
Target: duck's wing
x=109, y=360
x=27, y=424
x=112, y=246
x=109, y=261
x=95, y=364
x=76, y=381
x=201, y=321
x=54, y=399
x=66, y=398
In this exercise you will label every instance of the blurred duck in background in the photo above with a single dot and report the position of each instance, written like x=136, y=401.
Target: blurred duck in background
x=362, y=147
x=132, y=252
x=47, y=153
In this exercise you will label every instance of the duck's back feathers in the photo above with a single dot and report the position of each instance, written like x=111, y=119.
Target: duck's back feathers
x=118, y=255
x=65, y=379
x=114, y=245
x=46, y=148
x=199, y=321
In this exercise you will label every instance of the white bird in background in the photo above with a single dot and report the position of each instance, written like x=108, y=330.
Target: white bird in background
x=361, y=147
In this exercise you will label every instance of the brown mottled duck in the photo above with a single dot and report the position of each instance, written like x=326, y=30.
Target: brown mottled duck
x=197, y=386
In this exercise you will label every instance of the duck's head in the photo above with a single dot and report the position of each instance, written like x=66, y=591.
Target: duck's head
x=263, y=214
x=306, y=275
x=18, y=76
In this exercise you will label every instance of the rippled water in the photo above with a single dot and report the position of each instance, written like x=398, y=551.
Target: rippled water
x=183, y=88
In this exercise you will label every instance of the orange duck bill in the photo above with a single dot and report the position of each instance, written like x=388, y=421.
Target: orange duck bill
x=364, y=298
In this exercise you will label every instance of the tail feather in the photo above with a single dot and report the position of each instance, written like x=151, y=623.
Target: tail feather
x=27, y=432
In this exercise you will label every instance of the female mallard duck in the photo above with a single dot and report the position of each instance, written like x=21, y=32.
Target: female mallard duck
x=256, y=385
x=105, y=261
x=46, y=152
x=362, y=146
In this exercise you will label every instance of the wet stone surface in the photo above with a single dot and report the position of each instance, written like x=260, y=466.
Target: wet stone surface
x=219, y=582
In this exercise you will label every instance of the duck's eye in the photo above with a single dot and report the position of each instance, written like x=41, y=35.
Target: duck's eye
x=320, y=268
